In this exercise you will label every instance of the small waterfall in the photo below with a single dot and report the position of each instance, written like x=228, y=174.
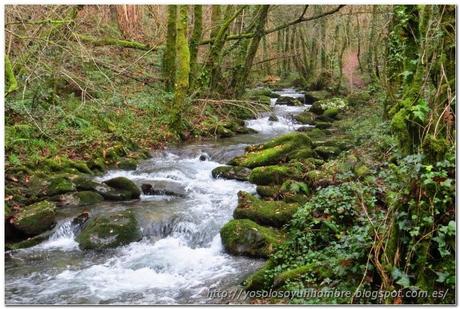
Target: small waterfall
x=63, y=237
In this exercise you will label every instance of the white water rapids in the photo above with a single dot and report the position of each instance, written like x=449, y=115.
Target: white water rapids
x=180, y=257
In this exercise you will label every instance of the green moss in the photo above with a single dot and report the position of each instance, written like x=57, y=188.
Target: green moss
x=277, y=150
x=128, y=164
x=88, y=197
x=124, y=185
x=245, y=237
x=109, y=231
x=36, y=218
x=305, y=117
x=60, y=185
x=272, y=174
x=271, y=213
x=361, y=170
x=268, y=191
x=295, y=274
x=323, y=124
x=327, y=152
x=97, y=164
x=331, y=112
x=29, y=242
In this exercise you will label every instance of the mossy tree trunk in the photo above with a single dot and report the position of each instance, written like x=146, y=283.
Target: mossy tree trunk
x=194, y=43
x=182, y=70
x=169, y=57
x=11, y=82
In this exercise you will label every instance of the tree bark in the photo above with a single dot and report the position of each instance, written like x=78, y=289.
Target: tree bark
x=169, y=64
x=194, y=42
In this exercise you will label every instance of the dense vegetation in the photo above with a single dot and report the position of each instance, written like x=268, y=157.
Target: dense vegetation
x=365, y=201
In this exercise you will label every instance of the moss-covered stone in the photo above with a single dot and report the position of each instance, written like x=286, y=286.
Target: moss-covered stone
x=128, y=164
x=60, y=185
x=88, y=197
x=109, y=231
x=29, y=242
x=274, y=151
x=327, y=152
x=125, y=186
x=258, y=281
x=36, y=218
x=272, y=174
x=331, y=112
x=97, y=164
x=288, y=101
x=268, y=192
x=320, y=106
x=231, y=172
x=271, y=213
x=245, y=237
x=305, y=117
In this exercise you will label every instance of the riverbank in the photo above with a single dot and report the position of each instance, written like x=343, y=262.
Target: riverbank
x=327, y=206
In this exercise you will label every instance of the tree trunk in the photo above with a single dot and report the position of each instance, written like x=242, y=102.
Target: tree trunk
x=194, y=43
x=182, y=70
x=128, y=19
x=252, y=50
x=169, y=57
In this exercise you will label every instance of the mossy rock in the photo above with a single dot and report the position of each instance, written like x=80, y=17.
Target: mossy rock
x=224, y=132
x=61, y=164
x=245, y=237
x=124, y=186
x=316, y=133
x=262, y=91
x=331, y=112
x=109, y=231
x=288, y=101
x=83, y=183
x=319, y=107
x=305, y=117
x=274, y=151
x=60, y=185
x=327, y=152
x=268, y=192
x=272, y=174
x=258, y=281
x=231, y=172
x=97, y=164
x=36, y=218
x=128, y=164
x=323, y=124
x=88, y=197
x=29, y=242
x=269, y=213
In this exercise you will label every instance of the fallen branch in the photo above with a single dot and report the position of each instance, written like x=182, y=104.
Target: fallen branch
x=114, y=42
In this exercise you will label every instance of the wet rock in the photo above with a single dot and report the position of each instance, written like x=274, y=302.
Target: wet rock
x=60, y=185
x=36, y=218
x=80, y=220
x=245, y=237
x=305, y=117
x=288, y=101
x=273, y=117
x=204, y=157
x=245, y=130
x=125, y=188
x=268, y=213
x=109, y=231
x=164, y=187
x=231, y=172
x=305, y=129
x=29, y=242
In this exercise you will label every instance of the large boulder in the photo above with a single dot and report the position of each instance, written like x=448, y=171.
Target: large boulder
x=272, y=174
x=271, y=213
x=125, y=189
x=231, y=172
x=275, y=151
x=245, y=237
x=76, y=199
x=305, y=117
x=36, y=218
x=288, y=101
x=258, y=281
x=109, y=231
x=319, y=107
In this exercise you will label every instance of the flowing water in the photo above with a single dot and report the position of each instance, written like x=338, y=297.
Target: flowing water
x=180, y=257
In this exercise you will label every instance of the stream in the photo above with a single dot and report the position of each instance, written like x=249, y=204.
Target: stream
x=180, y=258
